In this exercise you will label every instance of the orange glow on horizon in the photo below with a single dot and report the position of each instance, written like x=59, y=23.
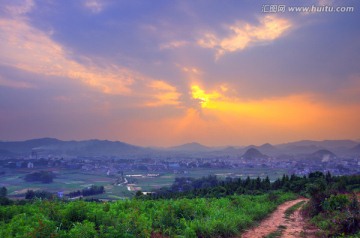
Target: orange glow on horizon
x=293, y=110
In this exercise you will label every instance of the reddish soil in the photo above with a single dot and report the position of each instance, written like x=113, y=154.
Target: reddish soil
x=295, y=225
x=298, y=226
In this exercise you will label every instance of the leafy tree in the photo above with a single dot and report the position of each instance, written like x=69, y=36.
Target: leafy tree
x=3, y=199
x=316, y=175
x=3, y=192
x=266, y=185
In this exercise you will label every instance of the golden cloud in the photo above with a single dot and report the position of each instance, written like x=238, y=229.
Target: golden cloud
x=29, y=49
x=165, y=94
x=244, y=35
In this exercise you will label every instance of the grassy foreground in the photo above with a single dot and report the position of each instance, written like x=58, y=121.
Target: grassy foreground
x=204, y=217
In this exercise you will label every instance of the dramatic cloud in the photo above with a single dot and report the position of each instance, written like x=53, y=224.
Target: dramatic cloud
x=244, y=35
x=29, y=49
x=144, y=72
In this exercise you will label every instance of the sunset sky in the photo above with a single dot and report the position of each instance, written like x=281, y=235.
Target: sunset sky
x=162, y=73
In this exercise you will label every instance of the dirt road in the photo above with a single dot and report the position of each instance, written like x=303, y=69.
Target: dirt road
x=287, y=227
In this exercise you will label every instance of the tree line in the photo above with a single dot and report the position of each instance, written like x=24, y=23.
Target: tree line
x=212, y=186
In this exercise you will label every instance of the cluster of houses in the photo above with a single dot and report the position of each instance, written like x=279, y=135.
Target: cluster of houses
x=116, y=165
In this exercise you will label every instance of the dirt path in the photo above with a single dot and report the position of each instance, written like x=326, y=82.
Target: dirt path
x=292, y=227
x=297, y=226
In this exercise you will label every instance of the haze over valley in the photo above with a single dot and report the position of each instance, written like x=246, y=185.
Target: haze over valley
x=124, y=169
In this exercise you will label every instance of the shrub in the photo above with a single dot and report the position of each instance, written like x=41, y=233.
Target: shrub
x=335, y=202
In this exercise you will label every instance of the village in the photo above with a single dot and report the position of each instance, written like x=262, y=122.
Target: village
x=155, y=166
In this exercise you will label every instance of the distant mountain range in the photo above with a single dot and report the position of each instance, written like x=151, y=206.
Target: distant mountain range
x=51, y=146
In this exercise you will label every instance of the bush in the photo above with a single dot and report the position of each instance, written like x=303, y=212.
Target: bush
x=335, y=202
x=339, y=215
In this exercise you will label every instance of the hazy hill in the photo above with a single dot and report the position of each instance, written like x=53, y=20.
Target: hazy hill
x=267, y=146
x=47, y=146
x=96, y=148
x=253, y=153
x=323, y=155
x=269, y=149
x=309, y=146
x=25, y=147
x=355, y=149
x=194, y=146
x=300, y=149
x=324, y=143
x=231, y=150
